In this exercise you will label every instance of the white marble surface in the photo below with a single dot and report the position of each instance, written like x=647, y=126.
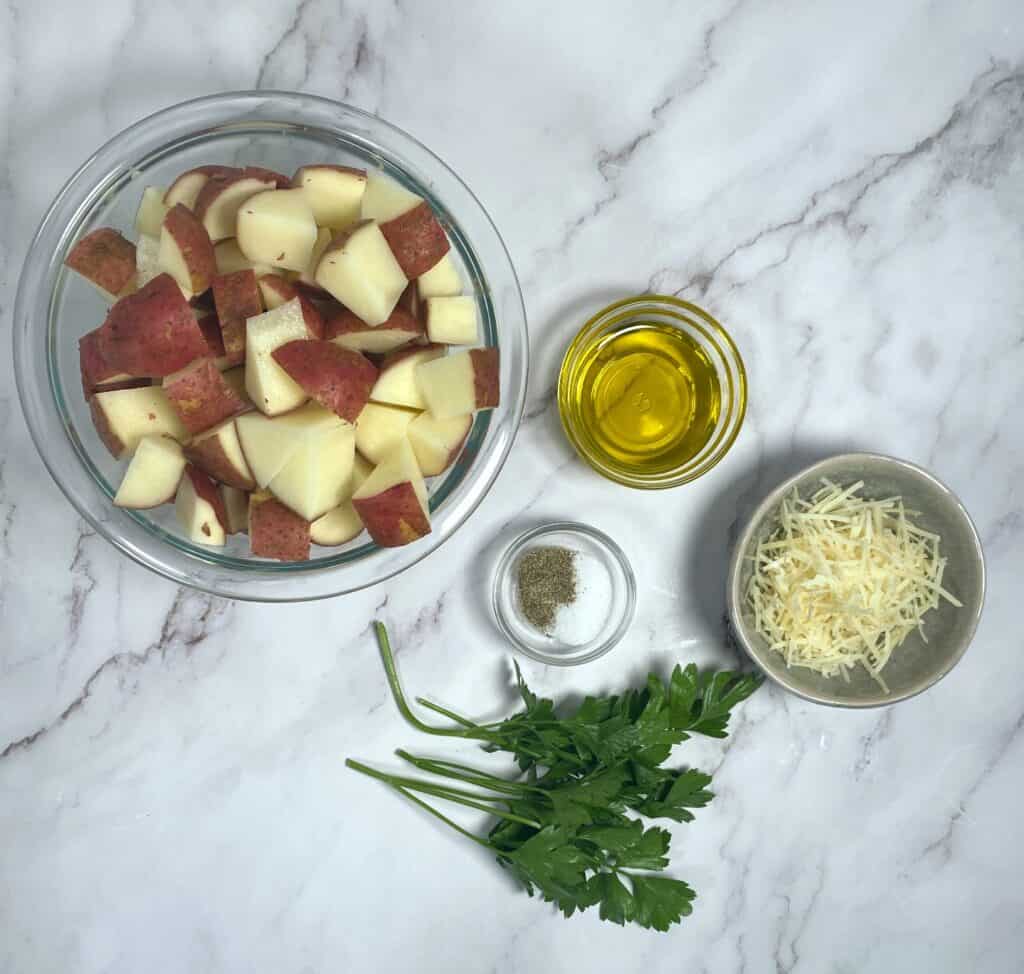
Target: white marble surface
x=843, y=185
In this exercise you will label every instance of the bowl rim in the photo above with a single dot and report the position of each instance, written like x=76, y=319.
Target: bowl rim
x=565, y=527
x=734, y=597
x=82, y=182
x=730, y=423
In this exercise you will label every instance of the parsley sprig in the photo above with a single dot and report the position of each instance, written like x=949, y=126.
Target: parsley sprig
x=563, y=828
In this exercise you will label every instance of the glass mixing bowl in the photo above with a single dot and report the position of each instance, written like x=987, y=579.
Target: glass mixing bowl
x=55, y=307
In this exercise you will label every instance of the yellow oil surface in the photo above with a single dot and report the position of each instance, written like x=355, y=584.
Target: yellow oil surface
x=647, y=396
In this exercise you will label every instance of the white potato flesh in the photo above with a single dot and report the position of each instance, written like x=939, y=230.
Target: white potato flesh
x=379, y=429
x=452, y=321
x=278, y=228
x=335, y=194
x=268, y=444
x=270, y=388
x=318, y=477
x=441, y=281
x=197, y=516
x=153, y=474
x=384, y=199
x=150, y=215
x=362, y=273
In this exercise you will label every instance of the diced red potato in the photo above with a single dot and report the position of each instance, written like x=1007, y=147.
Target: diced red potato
x=277, y=227
x=218, y=452
x=200, y=508
x=337, y=526
x=437, y=442
x=201, y=397
x=123, y=416
x=96, y=371
x=268, y=443
x=271, y=389
x=106, y=260
x=151, y=212
x=275, y=531
x=153, y=474
x=307, y=277
x=236, y=379
x=452, y=320
x=152, y=332
x=337, y=378
x=334, y=193
x=416, y=239
x=359, y=270
x=236, y=506
x=410, y=302
x=147, y=256
x=379, y=429
x=397, y=385
x=237, y=298
x=318, y=477
x=186, y=252
x=348, y=331
x=222, y=196
x=185, y=189
x=209, y=325
x=460, y=383
x=276, y=290
x=384, y=199
x=441, y=281
x=392, y=501
x=279, y=180
x=342, y=523
x=230, y=259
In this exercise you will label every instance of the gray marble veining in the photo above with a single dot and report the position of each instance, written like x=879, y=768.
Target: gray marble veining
x=843, y=186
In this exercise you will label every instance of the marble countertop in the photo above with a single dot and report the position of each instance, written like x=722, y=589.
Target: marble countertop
x=843, y=186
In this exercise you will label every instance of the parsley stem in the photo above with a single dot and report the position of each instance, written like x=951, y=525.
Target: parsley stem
x=387, y=656
x=444, y=818
x=470, y=775
x=460, y=797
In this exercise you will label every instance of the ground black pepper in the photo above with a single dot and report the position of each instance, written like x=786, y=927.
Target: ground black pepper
x=546, y=581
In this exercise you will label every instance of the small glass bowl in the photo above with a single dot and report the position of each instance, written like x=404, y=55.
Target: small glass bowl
x=721, y=352
x=603, y=554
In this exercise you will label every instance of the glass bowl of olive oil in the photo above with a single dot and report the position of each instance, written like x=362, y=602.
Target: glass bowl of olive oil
x=652, y=392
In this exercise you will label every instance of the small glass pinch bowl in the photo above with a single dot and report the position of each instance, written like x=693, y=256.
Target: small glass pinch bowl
x=602, y=612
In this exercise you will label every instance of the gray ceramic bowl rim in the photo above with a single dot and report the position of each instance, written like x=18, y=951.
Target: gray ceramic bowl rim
x=734, y=597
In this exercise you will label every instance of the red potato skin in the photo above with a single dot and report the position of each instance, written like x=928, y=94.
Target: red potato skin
x=152, y=332
x=277, y=532
x=346, y=323
x=194, y=243
x=394, y=516
x=208, y=455
x=205, y=170
x=337, y=378
x=210, y=327
x=94, y=367
x=416, y=239
x=105, y=258
x=486, y=377
x=314, y=320
x=202, y=397
x=218, y=181
x=206, y=490
x=274, y=282
x=236, y=297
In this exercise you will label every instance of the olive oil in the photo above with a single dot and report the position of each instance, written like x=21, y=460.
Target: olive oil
x=646, y=397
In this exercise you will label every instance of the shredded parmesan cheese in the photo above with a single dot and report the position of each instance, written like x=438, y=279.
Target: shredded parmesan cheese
x=844, y=580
